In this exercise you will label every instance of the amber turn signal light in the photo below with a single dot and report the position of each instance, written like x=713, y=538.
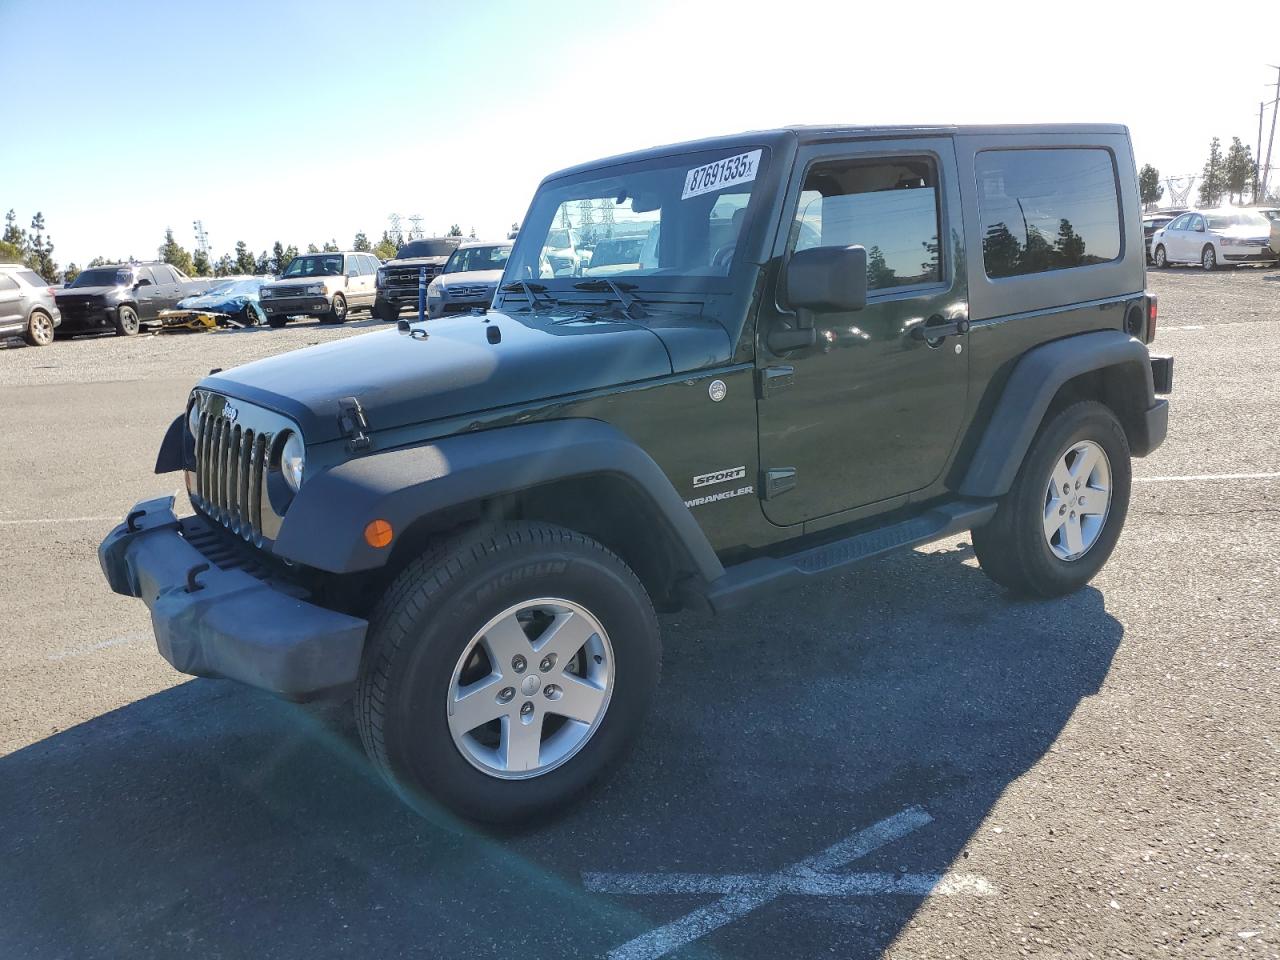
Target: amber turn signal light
x=378, y=533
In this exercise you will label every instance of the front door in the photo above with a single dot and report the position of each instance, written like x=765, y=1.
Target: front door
x=11, y=303
x=872, y=410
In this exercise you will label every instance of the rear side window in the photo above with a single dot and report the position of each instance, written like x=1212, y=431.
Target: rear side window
x=163, y=274
x=32, y=278
x=1047, y=210
x=889, y=206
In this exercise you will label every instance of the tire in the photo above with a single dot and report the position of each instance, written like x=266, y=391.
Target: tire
x=276, y=321
x=1161, y=258
x=385, y=311
x=338, y=311
x=39, y=329
x=1015, y=548
x=1209, y=258
x=425, y=637
x=127, y=322
x=250, y=316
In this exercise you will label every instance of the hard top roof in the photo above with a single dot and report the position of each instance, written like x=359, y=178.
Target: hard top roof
x=820, y=132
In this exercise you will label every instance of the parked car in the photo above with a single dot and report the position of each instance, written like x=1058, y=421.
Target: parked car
x=1151, y=222
x=469, y=278
x=233, y=301
x=470, y=522
x=323, y=285
x=1213, y=238
x=123, y=296
x=614, y=255
x=27, y=306
x=397, y=286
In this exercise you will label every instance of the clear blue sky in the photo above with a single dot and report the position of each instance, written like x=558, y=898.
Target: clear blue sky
x=309, y=121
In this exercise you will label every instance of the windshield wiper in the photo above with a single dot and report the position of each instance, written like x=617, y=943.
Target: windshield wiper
x=632, y=305
x=531, y=292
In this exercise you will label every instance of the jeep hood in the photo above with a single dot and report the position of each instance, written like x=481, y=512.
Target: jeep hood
x=456, y=371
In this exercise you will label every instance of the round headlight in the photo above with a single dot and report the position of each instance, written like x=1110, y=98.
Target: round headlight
x=293, y=458
x=193, y=419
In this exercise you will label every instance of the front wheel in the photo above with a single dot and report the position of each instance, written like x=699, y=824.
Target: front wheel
x=337, y=311
x=127, y=322
x=506, y=670
x=1161, y=258
x=1060, y=520
x=1209, y=258
x=39, y=329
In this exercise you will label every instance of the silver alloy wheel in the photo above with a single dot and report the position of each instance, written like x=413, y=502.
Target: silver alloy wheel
x=41, y=328
x=1162, y=258
x=530, y=689
x=1208, y=259
x=1076, y=500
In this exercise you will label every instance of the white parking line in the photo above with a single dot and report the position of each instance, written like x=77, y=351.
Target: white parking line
x=84, y=648
x=742, y=893
x=1191, y=326
x=1209, y=476
x=34, y=520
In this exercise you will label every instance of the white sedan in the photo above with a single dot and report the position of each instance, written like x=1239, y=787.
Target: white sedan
x=1212, y=238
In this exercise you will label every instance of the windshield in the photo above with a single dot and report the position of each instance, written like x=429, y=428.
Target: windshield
x=672, y=217
x=437, y=247
x=314, y=265
x=478, y=258
x=1241, y=218
x=102, y=277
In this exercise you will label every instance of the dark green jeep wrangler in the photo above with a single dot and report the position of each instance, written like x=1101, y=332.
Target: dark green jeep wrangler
x=832, y=342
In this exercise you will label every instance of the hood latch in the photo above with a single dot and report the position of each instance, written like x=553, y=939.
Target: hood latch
x=353, y=424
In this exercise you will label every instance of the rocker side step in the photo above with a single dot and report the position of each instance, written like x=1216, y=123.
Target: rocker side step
x=746, y=581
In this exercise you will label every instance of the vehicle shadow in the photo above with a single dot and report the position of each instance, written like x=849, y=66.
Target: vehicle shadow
x=210, y=820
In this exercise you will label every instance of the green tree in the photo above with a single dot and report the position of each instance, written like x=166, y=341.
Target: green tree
x=262, y=265
x=879, y=273
x=1239, y=169
x=1000, y=251
x=1149, y=188
x=200, y=266
x=14, y=234
x=331, y=246
x=1213, y=179
x=455, y=231
x=174, y=255
x=70, y=272
x=361, y=243
x=1037, y=255
x=244, y=258
x=385, y=249
x=225, y=266
x=100, y=262
x=10, y=252
x=1069, y=248
x=40, y=250
x=312, y=248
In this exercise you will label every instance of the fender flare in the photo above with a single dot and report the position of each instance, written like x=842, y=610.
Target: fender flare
x=324, y=526
x=1035, y=381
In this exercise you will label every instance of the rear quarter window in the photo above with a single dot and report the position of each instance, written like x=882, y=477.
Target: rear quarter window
x=1046, y=210
x=31, y=278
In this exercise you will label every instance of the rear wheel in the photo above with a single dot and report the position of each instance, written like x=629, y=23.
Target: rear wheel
x=1060, y=520
x=1209, y=258
x=39, y=329
x=1161, y=258
x=506, y=670
x=127, y=322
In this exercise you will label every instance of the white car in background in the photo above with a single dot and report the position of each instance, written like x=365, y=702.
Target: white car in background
x=1213, y=238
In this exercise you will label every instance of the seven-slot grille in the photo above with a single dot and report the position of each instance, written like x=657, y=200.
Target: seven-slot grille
x=234, y=447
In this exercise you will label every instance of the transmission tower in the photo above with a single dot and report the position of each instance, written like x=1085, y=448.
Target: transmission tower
x=394, y=230
x=202, y=238
x=606, y=217
x=415, y=232
x=1179, y=194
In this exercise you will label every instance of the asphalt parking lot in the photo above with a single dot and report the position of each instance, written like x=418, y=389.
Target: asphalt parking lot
x=900, y=761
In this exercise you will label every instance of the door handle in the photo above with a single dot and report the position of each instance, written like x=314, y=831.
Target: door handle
x=936, y=329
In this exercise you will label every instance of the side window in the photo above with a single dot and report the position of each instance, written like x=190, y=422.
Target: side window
x=353, y=267
x=889, y=206
x=1047, y=210
x=163, y=274
x=1197, y=223
x=7, y=282
x=143, y=273
x=1181, y=222
x=370, y=264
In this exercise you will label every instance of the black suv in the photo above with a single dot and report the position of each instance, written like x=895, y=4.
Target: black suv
x=833, y=342
x=123, y=297
x=398, y=278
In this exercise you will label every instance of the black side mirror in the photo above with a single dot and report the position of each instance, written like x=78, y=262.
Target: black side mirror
x=827, y=280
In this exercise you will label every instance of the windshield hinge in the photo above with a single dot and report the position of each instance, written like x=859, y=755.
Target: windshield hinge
x=353, y=424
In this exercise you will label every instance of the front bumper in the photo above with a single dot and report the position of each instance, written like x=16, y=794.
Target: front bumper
x=1234, y=254
x=288, y=306
x=90, y=317
x=221, y=621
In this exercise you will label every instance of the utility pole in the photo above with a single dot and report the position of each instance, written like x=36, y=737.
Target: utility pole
x=1266, y=171
x=1257, y=154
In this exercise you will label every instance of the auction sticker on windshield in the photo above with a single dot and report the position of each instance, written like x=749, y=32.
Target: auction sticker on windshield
x=721, y=174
